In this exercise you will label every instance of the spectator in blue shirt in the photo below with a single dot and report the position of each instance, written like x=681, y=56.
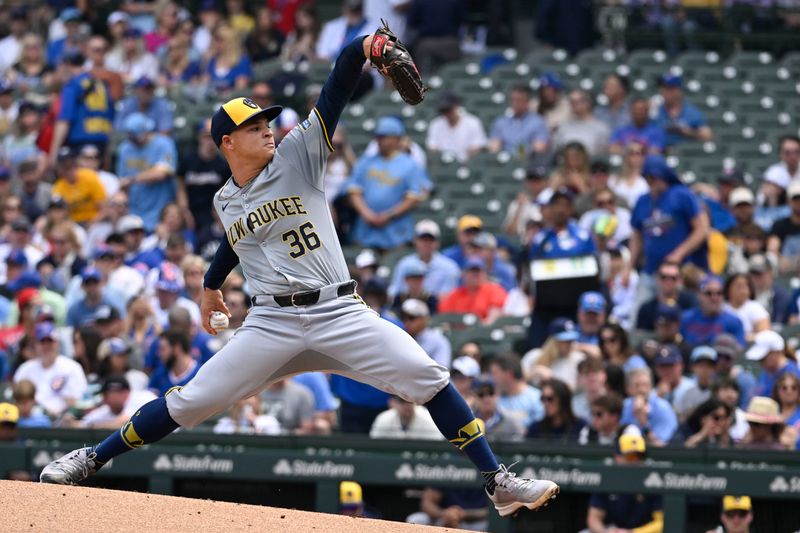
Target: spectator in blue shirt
x=87, y=109
x=442, y=274
x=669, y=224
x=385, y=188
x=131, y=228
x=415, y=315
x=146, y=166
x=84, y=310
x=641, y=129
x=498, y=269
x=769, y=349
x=702, y=324
x=519, y=400
x=562, y=237
x=71, y=42
x=144, y=101
x=229, y=67
x=467, y=228
x=519, y=131
x=643, y=408
x=681, y=120
x=178, y=365
x=616, y=113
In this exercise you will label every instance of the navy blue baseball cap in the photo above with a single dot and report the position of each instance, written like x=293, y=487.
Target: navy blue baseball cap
x=656, y=166
x=551, y=79
x=667, y=313
x=26, y=280
x=474, y=263
x=17, y=257
x=90, y=273
x=670, y=80
x=236, y=112
x=563, y=329
x=45, y=330
x=668, y=354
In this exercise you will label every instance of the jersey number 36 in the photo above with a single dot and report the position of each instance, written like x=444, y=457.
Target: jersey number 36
x=301, y=240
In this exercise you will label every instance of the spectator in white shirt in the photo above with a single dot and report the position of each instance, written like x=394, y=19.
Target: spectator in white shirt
x=119, y=404
x=59, y=380
x=335, y=33
x=404, y=420
x=415, y=316
x=11, y=45
x=456, y=131
x=132, y=61
x=788, y=168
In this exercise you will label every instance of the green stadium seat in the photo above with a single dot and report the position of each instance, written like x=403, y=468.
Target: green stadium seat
x=745, y=60
x=694, y=60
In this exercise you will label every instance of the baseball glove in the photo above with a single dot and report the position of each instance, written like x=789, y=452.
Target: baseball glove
x=396, y=64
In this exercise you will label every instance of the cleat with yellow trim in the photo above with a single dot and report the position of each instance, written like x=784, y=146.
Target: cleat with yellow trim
x=512, y=493
x=71, y=468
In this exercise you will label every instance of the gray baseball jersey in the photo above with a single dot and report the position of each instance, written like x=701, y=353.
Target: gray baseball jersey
x=280, y=227
x=279, y=223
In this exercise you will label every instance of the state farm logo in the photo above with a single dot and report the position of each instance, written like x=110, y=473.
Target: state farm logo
x=298, y=467
x=422, y=472
x=654, y=480
x=192, y=463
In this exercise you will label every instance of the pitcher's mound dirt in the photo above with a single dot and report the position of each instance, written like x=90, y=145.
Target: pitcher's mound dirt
x=34, y=507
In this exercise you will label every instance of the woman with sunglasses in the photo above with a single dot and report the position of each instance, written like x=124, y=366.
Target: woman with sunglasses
x=709, y=426
x=559, y=422
x=787, y=393
x=739, y=294
x=616, y=350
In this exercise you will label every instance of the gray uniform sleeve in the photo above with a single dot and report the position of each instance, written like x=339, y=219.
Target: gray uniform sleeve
x=307, y=147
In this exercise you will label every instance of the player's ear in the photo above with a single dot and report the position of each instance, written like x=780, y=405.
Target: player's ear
x=227, y=142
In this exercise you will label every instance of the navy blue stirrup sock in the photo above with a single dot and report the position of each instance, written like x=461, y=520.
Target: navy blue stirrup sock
x=454, y=419
x=151, y=423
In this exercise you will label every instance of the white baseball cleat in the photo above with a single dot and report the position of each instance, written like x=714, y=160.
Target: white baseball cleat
x=71, y=468
x=513, y=493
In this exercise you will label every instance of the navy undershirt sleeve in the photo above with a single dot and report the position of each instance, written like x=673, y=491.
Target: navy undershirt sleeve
x=225, y=260
x=341, y=83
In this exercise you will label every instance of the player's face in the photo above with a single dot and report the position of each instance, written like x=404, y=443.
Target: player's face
x=252, y=142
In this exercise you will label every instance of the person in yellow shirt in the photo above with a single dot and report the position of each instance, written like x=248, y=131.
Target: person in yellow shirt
x=80, y=188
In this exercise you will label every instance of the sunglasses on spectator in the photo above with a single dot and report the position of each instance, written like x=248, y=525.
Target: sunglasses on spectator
x=712, y=293
x=670, y=277
x=605, y=201
x=609, y=339
x=598, y=414
x=788, y=387
x=718, y=417
x=738, y=513
x=484, y=393
x=548, y=399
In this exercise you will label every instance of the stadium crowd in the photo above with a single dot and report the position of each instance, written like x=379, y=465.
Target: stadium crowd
x=107, y=225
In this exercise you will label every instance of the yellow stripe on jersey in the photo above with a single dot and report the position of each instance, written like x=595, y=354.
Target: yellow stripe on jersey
x=324, y=130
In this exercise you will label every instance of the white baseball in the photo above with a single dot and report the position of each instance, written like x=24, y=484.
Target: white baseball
x=218, y=321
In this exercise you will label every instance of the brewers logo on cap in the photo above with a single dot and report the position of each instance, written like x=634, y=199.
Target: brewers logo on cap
x=236, y=112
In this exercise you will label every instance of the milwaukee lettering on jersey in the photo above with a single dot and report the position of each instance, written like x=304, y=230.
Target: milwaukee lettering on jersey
x=264, y=214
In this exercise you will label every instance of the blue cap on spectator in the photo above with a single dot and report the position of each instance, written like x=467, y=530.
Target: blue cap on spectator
x=104, y=252
x=208, y=5
x=667, y=313
x=668, y=354
x=170, y=278
x=483, y=381
x=144, y=82
x=19, y=13
x=670, y=80
x=562, y=192
x=70, y=14
x=132, y=33
x=704, y=353
x=551, y=79
x=45, y=330
x=17, y=257
x=656, y=166
x=26, y=280
x=390, y=126
x=138, y=124
x=375, y=285
x=415, y=268
x=117, y=346
x=5, y=173
x=710, y=279
x=563, y=329
x=6, y=86
x=474, y=263
x=90, y=273
x=592, y=302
